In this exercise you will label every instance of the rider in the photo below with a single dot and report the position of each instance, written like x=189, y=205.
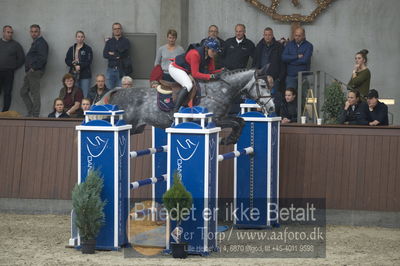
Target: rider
x=198, y=61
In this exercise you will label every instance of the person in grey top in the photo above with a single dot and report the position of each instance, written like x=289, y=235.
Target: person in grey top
x=35, y=65
x=11, y=58
x=168, y=51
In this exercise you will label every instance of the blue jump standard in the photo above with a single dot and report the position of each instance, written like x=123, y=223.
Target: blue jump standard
x=193, y=151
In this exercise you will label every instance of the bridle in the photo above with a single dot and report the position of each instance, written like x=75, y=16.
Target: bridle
x=246, y=90
x=256, y=86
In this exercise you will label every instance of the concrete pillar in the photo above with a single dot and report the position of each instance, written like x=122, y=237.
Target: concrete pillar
x=174, y=15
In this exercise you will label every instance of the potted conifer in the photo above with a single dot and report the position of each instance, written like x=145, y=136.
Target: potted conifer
x=334, y=102
x=177, y=200
x=89, y=210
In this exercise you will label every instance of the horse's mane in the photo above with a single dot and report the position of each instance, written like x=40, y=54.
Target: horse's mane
x=229, y=73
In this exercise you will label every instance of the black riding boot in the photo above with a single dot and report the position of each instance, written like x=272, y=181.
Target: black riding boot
x=180, y=99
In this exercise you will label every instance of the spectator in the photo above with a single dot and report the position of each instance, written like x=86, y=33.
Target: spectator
x=97, y=91
x=213, y=32
x=11, y=58
x=288, y=109
x=167, y=52
x=354, y=111
x=237, y=50
x=361, y=76
x=155, y=76
x=269, y=53
x=79, y=58
x=194, y=61
x=297, y=55
x=236, y=53
x=127, y=82
x=58, y=109
x=85, y=106
x=35, y=63
x=71, y=95
x=378, y=111
x=116, y=51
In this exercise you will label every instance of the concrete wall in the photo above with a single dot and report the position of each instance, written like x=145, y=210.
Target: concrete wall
x=59, y=20
x=337, y=34
x=345, y=28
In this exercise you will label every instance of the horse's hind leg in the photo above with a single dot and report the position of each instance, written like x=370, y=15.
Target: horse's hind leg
x=234, y=122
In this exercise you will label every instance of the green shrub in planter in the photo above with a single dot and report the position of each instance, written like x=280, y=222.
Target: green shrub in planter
x=334, y=102
x=177, y=200
x=88, y=206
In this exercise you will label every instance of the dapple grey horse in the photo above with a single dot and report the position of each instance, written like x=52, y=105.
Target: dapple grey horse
x=140, y=104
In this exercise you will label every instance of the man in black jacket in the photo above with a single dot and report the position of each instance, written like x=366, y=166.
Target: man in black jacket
x=378, y=111
x=116, y=51
x=214, y=32
x=35, y=64
x=11, y=58
x=235, y=55
x=237, y=50
x=269, y=53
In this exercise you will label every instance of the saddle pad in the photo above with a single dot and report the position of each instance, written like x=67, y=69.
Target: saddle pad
x=165, y=102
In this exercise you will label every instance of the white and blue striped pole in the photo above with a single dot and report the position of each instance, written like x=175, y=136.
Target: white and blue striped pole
x=234, y=154
x=149, y=151
x=148, y=181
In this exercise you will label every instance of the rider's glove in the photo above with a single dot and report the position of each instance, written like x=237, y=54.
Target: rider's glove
x=215, y=76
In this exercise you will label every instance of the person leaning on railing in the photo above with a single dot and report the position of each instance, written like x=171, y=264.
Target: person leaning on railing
x=377, y=111
x=354, y=111
x=288, y=108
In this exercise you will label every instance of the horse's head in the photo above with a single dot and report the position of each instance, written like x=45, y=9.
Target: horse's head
x=259, y=89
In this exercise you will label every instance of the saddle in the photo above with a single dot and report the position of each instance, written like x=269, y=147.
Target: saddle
x=168, y=88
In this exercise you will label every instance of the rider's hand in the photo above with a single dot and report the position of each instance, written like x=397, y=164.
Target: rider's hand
x=215, y=76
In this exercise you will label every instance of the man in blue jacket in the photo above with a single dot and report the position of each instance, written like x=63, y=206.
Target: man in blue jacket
x=35, y=64
x=297, y=55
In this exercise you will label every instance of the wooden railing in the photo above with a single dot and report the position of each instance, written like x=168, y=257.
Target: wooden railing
x=353, y=167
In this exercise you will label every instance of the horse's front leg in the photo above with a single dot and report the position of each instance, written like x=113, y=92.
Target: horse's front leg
x=234, y=122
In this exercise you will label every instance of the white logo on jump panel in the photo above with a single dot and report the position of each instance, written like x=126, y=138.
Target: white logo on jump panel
x=96, y=147
x=212, y=149
x=186, y=150
x=122, y=143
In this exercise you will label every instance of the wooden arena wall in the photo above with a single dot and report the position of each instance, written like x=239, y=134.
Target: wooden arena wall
x=353, y=167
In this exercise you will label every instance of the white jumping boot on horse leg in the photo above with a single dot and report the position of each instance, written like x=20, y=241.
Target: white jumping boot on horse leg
x=182, y=94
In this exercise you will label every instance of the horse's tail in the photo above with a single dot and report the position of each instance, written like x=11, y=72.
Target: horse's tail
x=107, y=97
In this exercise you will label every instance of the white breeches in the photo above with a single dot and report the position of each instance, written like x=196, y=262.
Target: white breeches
x=181, y=77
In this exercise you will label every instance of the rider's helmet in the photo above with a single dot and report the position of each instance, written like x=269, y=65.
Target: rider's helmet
x=213, y=44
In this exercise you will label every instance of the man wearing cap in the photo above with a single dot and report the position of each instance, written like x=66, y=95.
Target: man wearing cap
x=378, y=111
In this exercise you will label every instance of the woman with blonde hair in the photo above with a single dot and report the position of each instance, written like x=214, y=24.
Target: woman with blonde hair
x=167, y=52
